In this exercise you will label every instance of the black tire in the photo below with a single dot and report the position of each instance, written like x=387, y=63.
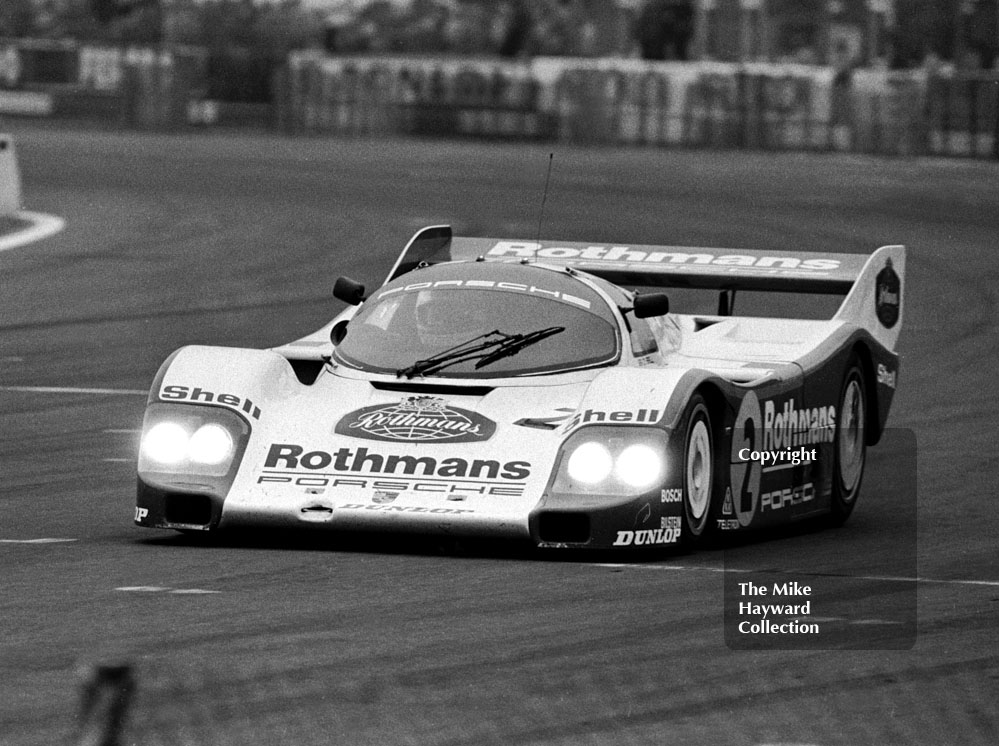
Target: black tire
x=699, y=478
x=849, y=444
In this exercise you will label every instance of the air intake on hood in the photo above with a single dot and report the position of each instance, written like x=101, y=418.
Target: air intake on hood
x=432, y=388
x=546, y=423
x=540, y=423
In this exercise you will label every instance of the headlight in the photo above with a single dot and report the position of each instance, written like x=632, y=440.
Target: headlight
x=590, y=463
x=613, y=460
x=211, y=444
x=166, y=443
x=639, y=466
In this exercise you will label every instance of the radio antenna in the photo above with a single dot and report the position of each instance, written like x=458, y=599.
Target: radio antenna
x=544, y=196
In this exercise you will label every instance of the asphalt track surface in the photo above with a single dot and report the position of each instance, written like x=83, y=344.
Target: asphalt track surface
x=236, y=240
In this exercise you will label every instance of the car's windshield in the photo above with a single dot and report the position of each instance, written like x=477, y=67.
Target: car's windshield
x=403, y=325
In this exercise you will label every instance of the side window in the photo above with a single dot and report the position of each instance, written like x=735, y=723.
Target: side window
x=382, y=315
x=643, y=341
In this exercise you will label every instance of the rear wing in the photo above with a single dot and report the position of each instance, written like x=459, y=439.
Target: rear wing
x=872, y=283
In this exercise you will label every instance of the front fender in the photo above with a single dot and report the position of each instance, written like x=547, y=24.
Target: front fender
x=637, y=396
x=241, y=379
x=196, y=386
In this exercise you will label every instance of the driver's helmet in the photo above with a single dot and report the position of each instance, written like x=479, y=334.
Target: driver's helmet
x=448, y=318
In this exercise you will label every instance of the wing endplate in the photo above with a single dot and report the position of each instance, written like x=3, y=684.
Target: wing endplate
x=875, y=300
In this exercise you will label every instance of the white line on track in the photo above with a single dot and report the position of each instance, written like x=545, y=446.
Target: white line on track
x=888, y=578
x=36, y=541
x=123, y=430
x=73, y=390
x=938, y=581
x=164, y=589
x=847, y=620
x=119, y=460
x=42, y=226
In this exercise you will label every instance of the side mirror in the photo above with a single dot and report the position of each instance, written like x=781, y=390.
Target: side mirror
x=338, y=332
x=348, y=290
x=651, y=304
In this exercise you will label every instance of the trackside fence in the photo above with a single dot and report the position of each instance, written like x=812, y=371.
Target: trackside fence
x=376, y=97
x=628, y=102
x=560, y=99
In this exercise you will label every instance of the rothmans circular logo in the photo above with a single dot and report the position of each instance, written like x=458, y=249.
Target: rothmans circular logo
x=416, y=419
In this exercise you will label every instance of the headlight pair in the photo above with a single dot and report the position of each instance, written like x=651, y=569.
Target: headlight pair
x=190, y=439
x=170, y=443
x=614, y=460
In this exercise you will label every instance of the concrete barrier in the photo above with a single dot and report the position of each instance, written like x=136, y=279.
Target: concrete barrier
x=17, y=225
x=10, y=177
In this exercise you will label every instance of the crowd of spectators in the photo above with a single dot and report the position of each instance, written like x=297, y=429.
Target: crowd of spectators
x=908, y=32
x=509, y=28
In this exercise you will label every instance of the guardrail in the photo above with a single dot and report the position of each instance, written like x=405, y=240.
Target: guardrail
x=600, y=101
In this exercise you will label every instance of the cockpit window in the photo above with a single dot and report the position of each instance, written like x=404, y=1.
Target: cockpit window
x=643, y=341
x=408, y=322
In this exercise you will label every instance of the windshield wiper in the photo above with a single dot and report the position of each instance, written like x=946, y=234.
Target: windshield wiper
x=453, y=354
x=516, y=342
x=486, y=348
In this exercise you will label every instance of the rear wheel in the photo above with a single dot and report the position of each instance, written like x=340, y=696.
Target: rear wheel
x=698, y=472
x=850, y=445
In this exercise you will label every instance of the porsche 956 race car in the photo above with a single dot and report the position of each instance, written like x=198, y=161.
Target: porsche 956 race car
x=538, y=390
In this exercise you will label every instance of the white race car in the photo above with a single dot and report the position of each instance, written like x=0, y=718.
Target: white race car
x=520, y=389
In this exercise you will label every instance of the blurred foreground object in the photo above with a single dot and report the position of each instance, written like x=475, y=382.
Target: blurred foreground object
x=105, y=696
